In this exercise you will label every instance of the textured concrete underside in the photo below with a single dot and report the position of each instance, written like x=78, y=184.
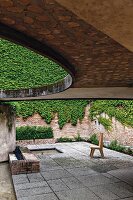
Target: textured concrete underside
x=96, y=59
x=111, y=17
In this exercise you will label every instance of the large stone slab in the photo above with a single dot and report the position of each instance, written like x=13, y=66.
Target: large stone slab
x=55, y=174
x=49, y=196
x=125, y=175
x=77, y=194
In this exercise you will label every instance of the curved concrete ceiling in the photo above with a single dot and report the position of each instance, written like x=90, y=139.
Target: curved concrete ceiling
x=113, y=17
x=96, y=60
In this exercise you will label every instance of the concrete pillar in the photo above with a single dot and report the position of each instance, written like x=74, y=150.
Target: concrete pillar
x=7, y=131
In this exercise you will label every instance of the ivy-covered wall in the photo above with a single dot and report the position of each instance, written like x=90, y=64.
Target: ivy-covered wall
x=122, y=110
x=67, y=110
x=85, y=128
x=72, y=110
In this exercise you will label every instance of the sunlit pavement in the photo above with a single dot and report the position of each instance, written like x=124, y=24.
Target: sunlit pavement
x=72, y=175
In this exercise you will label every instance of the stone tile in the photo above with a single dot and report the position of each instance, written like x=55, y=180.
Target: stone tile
x=69, y=162
x=33, y=191
x=33, y=146
x=35, y=177
x=44, y=168
x=112, y=178
x=30, y=185
x=21, y=178
x=49, y=164
x=45, y=146
x=81, y=171
x=49, y=196
x=72, y=183
x=48, y=161
x=103, y=192
x=130, y=198
x=121, y=189
x=77, y=194
x=65, y=161
x=57, y=185
x=123, y=164
x=55, y=174
x=125, y=175
x=61, y=155
x=94, y=180
x=103, y=168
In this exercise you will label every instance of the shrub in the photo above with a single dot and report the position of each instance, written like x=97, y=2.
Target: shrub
x=93, y=139
x=64, y=139
x=33, y=132
x=117, y=147
x=129, y=151
x=78, y=138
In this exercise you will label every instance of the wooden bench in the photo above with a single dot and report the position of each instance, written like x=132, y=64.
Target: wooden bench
x=99, y=147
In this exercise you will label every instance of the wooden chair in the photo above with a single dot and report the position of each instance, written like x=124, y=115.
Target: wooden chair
x=99, y=147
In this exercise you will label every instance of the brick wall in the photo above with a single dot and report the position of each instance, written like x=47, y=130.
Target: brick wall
x=85, y=128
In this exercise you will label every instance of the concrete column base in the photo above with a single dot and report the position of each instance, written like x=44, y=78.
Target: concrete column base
x=7, y=132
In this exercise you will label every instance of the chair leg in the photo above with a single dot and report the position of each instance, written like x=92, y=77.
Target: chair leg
x=102, y=154
x=92, y=153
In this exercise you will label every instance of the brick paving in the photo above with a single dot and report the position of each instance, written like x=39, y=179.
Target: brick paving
x=72, y=175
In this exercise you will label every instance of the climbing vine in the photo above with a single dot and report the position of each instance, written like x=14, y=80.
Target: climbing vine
x=122, y=110
x=72, y=110
x=67, y=110
x=105, y=122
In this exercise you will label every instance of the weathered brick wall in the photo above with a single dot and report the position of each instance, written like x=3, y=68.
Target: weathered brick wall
x=85, y=128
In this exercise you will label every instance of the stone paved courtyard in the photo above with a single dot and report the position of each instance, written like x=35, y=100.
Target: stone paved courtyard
x=72, y=175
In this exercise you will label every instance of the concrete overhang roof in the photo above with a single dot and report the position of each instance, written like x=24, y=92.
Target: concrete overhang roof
x=95, y=56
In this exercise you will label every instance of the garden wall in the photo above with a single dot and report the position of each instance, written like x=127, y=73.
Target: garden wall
x=7, y=132
x=86, y=128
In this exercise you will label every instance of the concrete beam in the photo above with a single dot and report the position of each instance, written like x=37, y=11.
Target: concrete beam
x=85, y=93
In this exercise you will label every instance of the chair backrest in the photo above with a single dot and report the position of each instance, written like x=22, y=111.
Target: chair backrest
x=101, y=140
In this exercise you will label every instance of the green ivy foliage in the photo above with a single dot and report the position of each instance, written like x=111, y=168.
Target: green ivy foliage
x=67, y=110
x=93, y=139
x=122, y=110
x=72, y=110
x=23, y=68
x=106, y=123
